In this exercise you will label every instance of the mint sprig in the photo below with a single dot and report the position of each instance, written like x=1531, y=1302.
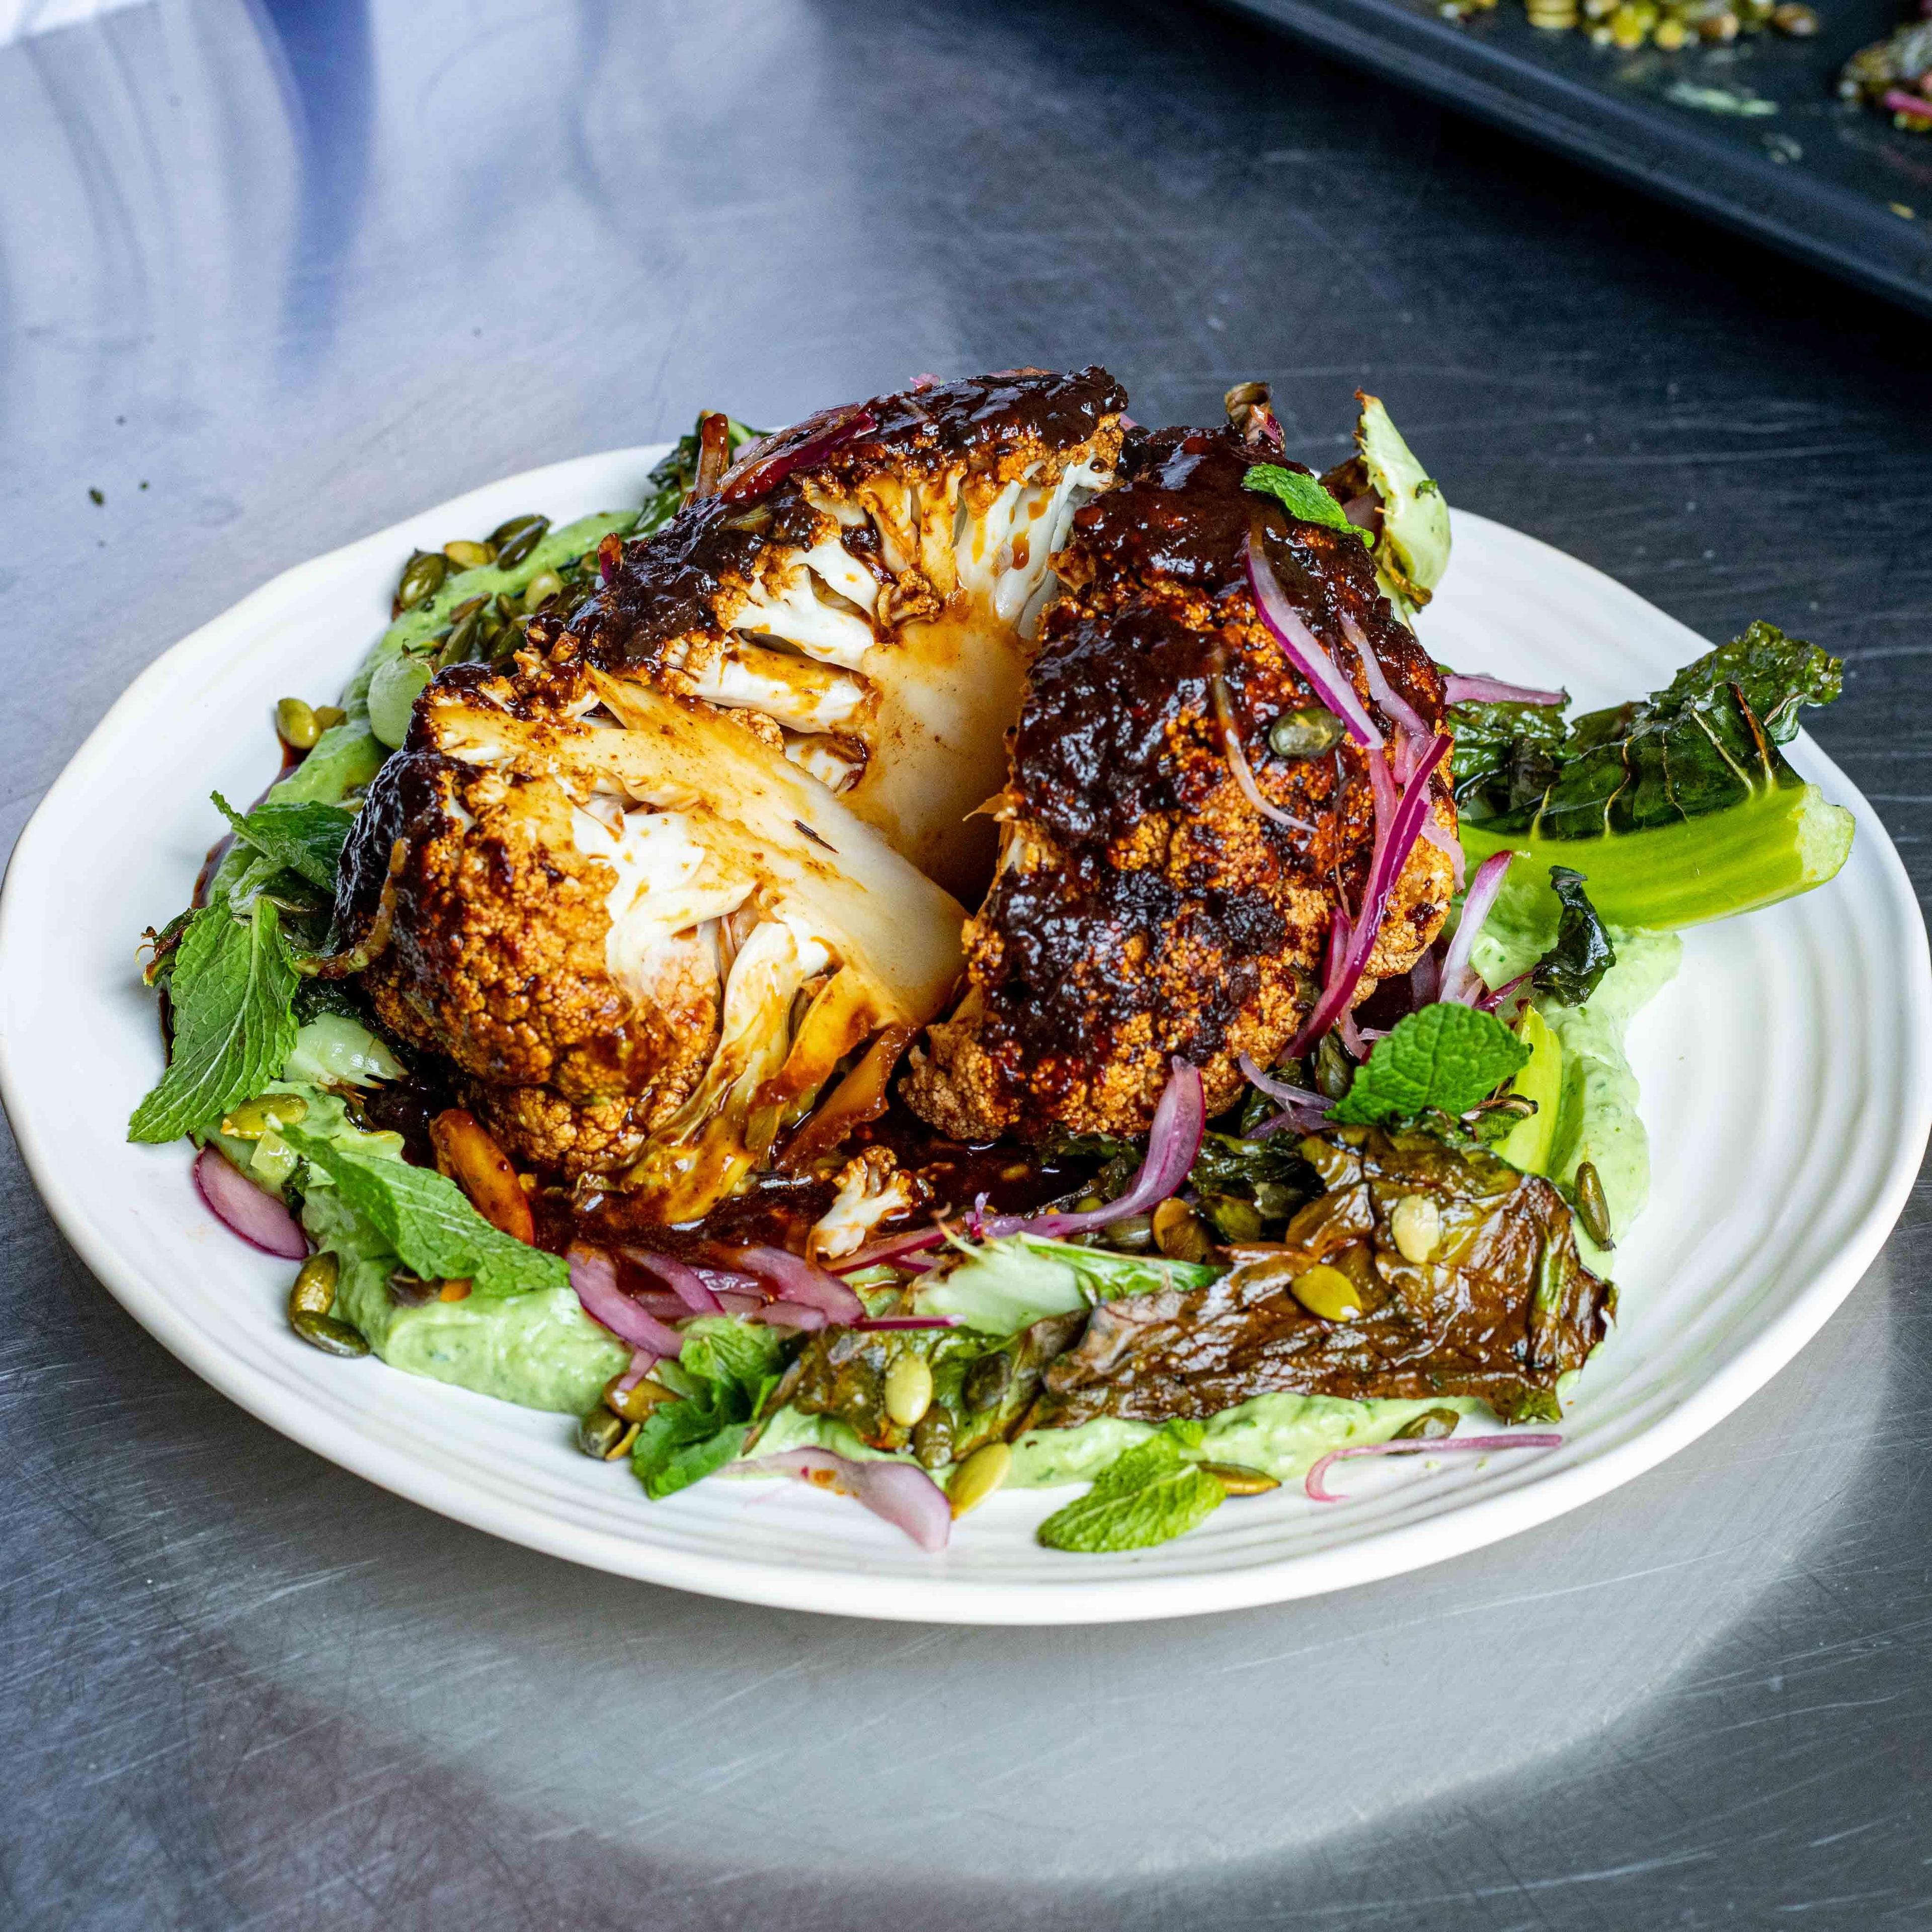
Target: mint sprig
x=1447, y=1058
x=1149, y=1495
x=428, y=1221
x=233, y=985
x=1301, y=496
x=306, y=839
x=722, y=1376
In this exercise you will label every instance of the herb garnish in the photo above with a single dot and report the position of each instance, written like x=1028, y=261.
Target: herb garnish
x=1446, y=1059
x=1151, y=1494
x=306, y=838
x=233, y=985
x=722, y=1377
x=1301, y=496
x=428, y=1221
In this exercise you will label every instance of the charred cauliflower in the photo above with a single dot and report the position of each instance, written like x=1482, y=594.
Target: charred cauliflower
x=1182, y=819
x=643, y=938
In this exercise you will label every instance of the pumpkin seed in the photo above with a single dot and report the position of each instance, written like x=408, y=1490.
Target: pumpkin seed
x=1592, y=1209
x=516, y=539
x=1416, y=1222
x=1238, y=1480
x=1305, y=734
x=932, y=1437
x=635, y=1403
x=604, y=1435
x=296, y=723
x=324, y=1332
x=1426, y=1426
x=253, y=1118
x=314, y=1292
x=330, y=715
x=465, y=630
x=978, y=1476
x=541, y=588
x=908, y=1388
x=1327, y=1291
x=1180, y=1233
x=1135, y=1234
x=422, y=577
x=469, y=556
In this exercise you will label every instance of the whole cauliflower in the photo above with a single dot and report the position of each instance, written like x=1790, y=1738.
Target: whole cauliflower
x=650, y=892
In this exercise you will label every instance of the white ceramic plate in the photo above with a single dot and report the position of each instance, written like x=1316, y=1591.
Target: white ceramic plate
x=1787, y=1074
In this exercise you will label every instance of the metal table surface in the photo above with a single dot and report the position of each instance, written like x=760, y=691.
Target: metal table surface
x=274, y=275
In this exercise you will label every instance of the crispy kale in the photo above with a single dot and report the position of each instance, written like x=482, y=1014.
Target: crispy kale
x=1679, y=808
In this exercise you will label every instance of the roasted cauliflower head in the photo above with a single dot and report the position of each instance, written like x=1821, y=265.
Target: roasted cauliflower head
x=865, y=589
x=1145, y=905
x=642, y=936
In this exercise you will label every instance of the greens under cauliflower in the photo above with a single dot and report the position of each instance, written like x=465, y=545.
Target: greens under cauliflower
x=965, y=944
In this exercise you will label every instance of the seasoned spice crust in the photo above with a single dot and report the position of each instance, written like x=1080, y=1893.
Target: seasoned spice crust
x=1144, y=907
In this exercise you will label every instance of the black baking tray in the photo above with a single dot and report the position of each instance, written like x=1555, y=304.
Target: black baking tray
x=1827, y=181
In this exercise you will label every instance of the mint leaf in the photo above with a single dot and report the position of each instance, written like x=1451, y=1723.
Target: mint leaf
x=233, y=985
x=308, y=838
x=1448, y=1056
x=1301, y=496
x=1150, y=1495
x=428, y=1220
x=723, y=1375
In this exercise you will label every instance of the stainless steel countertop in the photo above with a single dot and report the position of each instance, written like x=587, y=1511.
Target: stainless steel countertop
x=274, y=276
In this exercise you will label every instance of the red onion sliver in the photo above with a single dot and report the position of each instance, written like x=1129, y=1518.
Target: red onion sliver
x=762, y=474
x=1897, y=101
x=798, y=1280
x=1395, y=707
x=1286, y=626
x=901, y=1492
x=1417, y=1445
x=684, y=1282
x=1460, y=981
x=1237, y=763
x=790, y=1315
x=925, y=382
x=1279, y=1090
x=1477, y=688
x=1391, y=855
x=243, y=1209
x=1490, y=1002
x=594, y=1276
x=642, y=1363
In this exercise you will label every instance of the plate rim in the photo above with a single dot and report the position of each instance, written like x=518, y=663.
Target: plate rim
x=851, y=1590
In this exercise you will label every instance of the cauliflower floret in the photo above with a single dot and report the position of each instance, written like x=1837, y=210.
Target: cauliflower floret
x=870, y=582
x=872, y=1188
x=643, y=938
x=1144, y=906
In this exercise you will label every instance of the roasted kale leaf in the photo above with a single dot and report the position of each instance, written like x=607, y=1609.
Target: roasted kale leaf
x=1706, y=742
x=1574, y=966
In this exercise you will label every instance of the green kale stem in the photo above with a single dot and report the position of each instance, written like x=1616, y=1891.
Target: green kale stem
x=1782, y=840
